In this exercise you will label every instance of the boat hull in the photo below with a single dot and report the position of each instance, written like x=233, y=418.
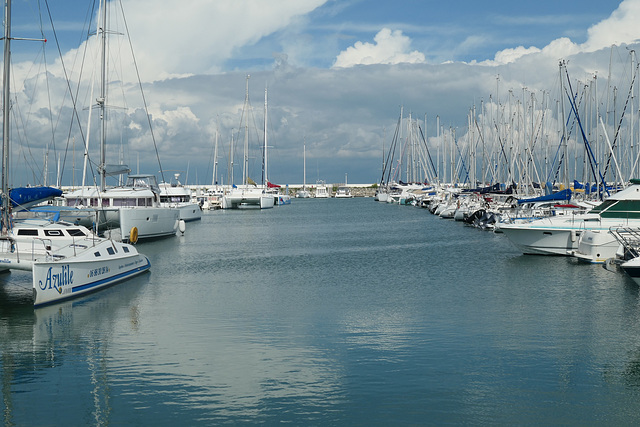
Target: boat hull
x=243, y=199
x=57, y=280
x=632, y=269
x=151, y=222
x=596, y=246
x=190, y=212
x=542, y=241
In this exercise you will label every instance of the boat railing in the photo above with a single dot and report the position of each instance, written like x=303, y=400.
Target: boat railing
x=629, y=238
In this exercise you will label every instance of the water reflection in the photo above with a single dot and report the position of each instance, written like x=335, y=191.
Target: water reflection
x=341, y=324
x=70, y=338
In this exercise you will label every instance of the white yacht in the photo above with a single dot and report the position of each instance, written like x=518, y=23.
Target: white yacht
x=560, y=235
x=136, y=204
x=322, y=192
x=247, y=197
x=343, y=193
x=175, y=195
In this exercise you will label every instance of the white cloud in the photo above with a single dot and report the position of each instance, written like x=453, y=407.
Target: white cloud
x=195, y=38
x=510, y=55
x=390, y=47
x=621, y=27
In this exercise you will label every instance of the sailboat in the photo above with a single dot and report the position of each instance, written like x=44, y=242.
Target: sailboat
x=249, y=195
x=303, y=193
x=135, y=204
x=65, y=260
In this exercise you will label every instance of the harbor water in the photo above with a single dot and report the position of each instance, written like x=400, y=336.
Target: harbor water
x=329, y=312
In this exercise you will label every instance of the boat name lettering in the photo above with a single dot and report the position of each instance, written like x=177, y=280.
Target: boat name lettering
x=57, y=281
x=98, y=271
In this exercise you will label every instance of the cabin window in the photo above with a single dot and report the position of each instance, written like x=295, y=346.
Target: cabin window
x=53, y=233
x=105, y=203
x=143, y=202
x=74, y=202
x=76, y=232
x=126, y=249
x=96, y=254
x=110, y=250
x=27, y=232
x=623, y=209
x=602, y=206
x=93, y=202
x=124, y=202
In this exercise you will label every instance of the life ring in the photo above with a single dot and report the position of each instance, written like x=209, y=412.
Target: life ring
x=133, y=235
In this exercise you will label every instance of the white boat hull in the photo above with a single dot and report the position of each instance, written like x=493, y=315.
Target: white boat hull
x=542, y=241
x=151, y=222
x=190, y=212
x=596, y=246
x=243, y=199
x=54, y=281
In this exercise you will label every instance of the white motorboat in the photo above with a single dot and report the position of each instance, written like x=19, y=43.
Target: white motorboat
x=177, y=196
x=343, y=193
x=303, y=193
x=322, y=192
x=560, y=235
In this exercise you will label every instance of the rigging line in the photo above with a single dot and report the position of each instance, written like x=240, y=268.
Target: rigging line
x=592, y=161
x=73, y=99
x=53, y=127
x=144, y=99
x=462, y=165
x=615, y=138
x=484, y=152
x=435, y=172
x=387, y=169
x=502, y=148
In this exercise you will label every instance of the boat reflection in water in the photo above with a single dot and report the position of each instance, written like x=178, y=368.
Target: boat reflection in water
x=55, y=343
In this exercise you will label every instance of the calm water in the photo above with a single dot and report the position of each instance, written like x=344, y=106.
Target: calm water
x=340, y=312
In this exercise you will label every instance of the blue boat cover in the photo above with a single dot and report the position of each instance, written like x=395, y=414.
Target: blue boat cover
x=559, y=195
x=27, y=196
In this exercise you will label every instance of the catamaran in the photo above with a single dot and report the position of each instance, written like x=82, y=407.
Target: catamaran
x=65, y=260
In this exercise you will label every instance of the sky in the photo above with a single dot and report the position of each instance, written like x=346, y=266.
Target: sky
x=338, y=73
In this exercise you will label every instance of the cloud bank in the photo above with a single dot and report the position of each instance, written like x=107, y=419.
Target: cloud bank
x=345, y=114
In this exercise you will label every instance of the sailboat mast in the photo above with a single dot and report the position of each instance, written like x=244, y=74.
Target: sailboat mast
x=5, y=115
x=304, y=165
x=215, y=153
x=101, y=100
x=245, y=163
x=564, y=130
x=265, y=177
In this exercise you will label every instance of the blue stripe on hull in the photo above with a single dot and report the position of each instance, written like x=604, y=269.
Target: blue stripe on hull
x=112, y=279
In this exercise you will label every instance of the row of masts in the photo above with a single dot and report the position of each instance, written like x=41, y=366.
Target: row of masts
x=527, y=140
